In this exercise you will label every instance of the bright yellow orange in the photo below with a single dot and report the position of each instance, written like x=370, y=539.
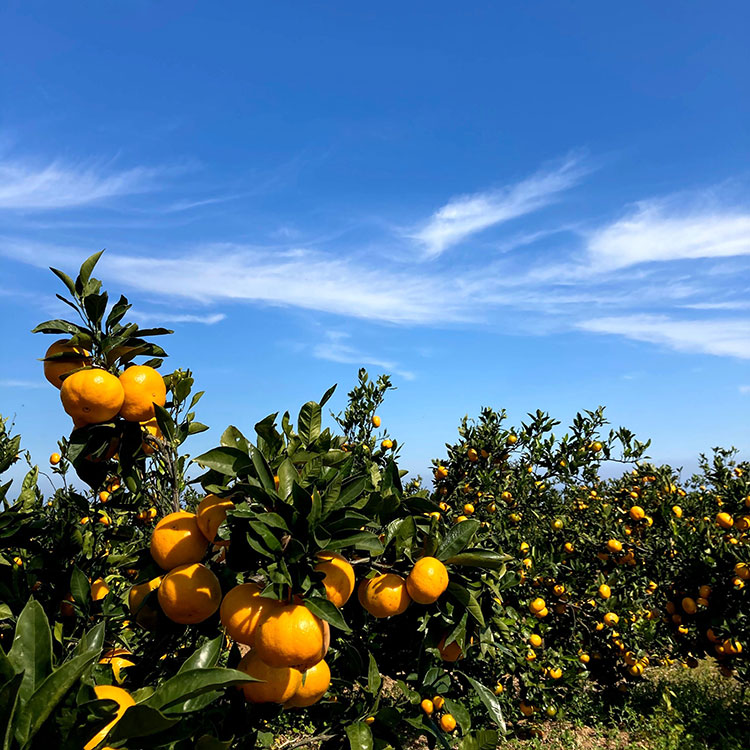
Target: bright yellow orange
x=535, y=640
x=76, y=357
x=99, y=589
x=604, y=591
x=427, y=706
x=384, y=595
x=277, y=684
x=338, y=577
x=152, y=428
x=117, y=659
x=289, y=635
x=375, y=421
x=724, y=520
x=447, y=723
x=427, y=580
x=613, y=545
x=143, y=387
x=211, y=513
x=123, y=699
x=241, y=609
x=55, y=458
x=178, y=540
x=91, y=396
x=637, y=513
x=315, y=682
x=189, y=594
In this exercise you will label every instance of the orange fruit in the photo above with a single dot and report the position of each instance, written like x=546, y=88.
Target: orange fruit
x=99, y=589
x=384, y=595
x=376, y=421
x=537, y=605
x=447, y=723
x=117, y=659
x=724, y=520
x=535, y=640
x=438, y=701
x=289, y=635
x=123, y=699
x=613, y=545
x=211, y=513
x=315, y=682
x=611, y=619
x=91, y=396
x=152, y=428
x=178, y=540
x=427, y=580
x=66, y=606
x=241, y=609
x=277, y=684
x=189, y=594
x=143, y=387
x=451, y=652
x=427, y=706
x=145, y=615
x=637, y=513
x=338, y=579
x=76, y=357
x=604, y=591
x=55, y=458
x=689, y=606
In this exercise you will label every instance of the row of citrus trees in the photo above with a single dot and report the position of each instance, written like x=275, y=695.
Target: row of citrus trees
x=297, y=586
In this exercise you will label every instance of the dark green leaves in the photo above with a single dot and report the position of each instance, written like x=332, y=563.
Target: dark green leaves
x=360, y=736
x=192, y=683
x=457, y=539
x=479, y=558
x=490, y=701
x=308, y=423
x=227, y=461
x=327, y=611
x=31, y=652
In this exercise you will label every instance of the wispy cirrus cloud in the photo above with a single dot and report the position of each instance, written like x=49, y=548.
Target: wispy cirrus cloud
x=10, y=383
x=727, y=337
x=668, y=230
x=335, y=349
x=28, y=186
x=166, y=317
x=467, y=215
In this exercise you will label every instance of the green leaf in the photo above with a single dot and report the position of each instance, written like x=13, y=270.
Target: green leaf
x=31, y=652
x=57, y=326
x=92, y=640
x=465, y=597
x=194, y=682
x=308, y=423
x=140, y=721
x=460, y=714
x=87, y=267
x=457, y=539
x=65, y=280
x=80, y=588
x=490, y=701
x=327, y=395
x=233, y=438
x=365, y=540
x=287, y=475
x=227, y=461
x=205, y=656
x=263, y=470
x=484, y=739
x=8, y=700
x=479, y=558
x=327, y=611
x=374, y=680
x=360, y=736
x=165, y=422
x=45, y=699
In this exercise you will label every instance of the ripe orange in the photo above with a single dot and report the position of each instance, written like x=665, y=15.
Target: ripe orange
x=613, y=545
x=55, y=458
x=99, y=589
x=526, y=709
x=451, y=652
x=375, y=420
x=123, y=699
x=537, y=605
x=143, y=386
x=535, y=640
x=189, y=594
x=289, y=635
x=76, y=357
x=447, y=723
x=472, y=455
x=117, y=659
x=211, y=513
x=178, y=540
x=689, y=606
x=315, y=682
x=438, y=701
x=604, y=591
x=145, y=615
x=724, y=520
x=427, y=580
x=637, y=513
x=427, y=706
x=276, y=684
x=153, y=429
x=339, y=577
x=384, y=595
x=611, y=619
x=91, y=396
x=241, y=609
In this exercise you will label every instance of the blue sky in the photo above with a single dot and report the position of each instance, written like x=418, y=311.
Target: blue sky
x=539, y=205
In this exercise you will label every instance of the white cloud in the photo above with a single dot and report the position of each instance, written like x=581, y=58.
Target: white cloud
x=28, y=187
x=468, y=214
x=744, y=389
x=729, y=337
x=334, y=349
x=665, y=231
x=159, y=317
